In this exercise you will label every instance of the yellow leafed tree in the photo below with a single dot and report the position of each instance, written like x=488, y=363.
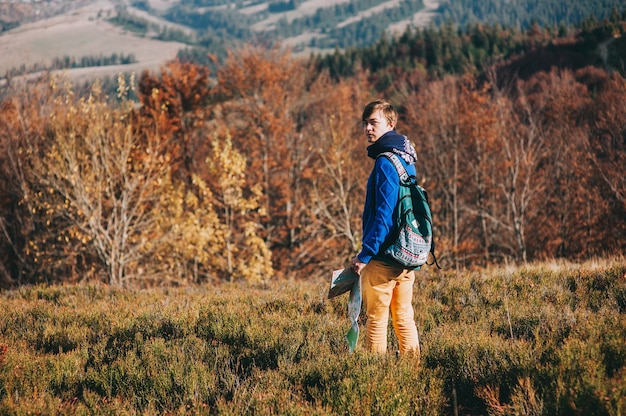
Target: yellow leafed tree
x=102, y=189
x=245, y=253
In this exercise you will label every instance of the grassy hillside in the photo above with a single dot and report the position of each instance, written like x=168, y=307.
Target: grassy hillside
x=81, y=32
x=541, y=339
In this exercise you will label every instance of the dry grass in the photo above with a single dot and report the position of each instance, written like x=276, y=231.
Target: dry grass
x=83, y=32
x=162, y=4
x=540, y=339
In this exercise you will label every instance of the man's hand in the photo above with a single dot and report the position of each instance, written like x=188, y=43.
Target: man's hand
x=357, y=265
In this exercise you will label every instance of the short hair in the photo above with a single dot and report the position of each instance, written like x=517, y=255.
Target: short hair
x=389, y=112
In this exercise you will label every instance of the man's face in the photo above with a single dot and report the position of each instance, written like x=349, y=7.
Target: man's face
x=375, y=126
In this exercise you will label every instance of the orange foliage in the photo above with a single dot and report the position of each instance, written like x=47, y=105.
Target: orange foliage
x=516, y=170
x=337, y=168
x=262, y=93
x=178, y=99
x=22, y=127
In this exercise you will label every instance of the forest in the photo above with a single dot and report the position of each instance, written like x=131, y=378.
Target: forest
x=449, y=50
x=361, y=32
x=216, y=25
x=549, y=13
x=256, y=170
x=72, y=62
x=211, y=20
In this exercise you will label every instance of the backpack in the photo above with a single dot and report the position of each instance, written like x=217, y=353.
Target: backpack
x=414, y=240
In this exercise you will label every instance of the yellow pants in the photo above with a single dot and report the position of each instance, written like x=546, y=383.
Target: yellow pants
x=388, y=288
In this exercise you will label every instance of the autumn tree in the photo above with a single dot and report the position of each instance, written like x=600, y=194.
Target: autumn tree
x=98, y=181
x=482, y=160
x=21, y=125
x=261, y=92
x=178, y=100
x=605, y=150
x=211, y=229
x=94, y=185
x=244, y=253
x=432, y=122
x=521, y=146
x=559, y=104
x=607, y=144
x=495, y=157
x=337, y=174
x=481, y=167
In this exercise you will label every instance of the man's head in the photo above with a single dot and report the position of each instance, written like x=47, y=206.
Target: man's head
x=379, y=117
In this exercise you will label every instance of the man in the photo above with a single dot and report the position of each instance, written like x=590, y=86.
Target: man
x=386, y=286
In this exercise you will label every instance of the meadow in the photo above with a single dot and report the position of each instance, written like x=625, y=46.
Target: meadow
x=78, y=33
x=539, y=339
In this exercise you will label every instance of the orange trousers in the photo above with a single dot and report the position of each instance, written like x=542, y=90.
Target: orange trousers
x=387, y=288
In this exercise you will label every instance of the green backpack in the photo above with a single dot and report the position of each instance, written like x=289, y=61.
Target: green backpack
x=414, y=224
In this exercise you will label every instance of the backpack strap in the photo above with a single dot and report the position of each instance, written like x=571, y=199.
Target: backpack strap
x=402, y=173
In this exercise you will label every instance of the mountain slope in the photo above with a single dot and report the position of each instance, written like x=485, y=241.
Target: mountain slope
x=64, y=34
x=80, y=32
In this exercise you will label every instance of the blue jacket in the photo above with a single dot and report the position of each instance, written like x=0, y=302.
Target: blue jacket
x=379, y=212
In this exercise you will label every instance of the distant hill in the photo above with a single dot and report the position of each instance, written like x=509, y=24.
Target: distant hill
x=88, y=38
x=523, y=13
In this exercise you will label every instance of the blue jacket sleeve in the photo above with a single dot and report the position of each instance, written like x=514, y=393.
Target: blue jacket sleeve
x=380, y=201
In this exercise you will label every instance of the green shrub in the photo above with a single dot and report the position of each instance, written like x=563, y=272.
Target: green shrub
x=536, y=340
